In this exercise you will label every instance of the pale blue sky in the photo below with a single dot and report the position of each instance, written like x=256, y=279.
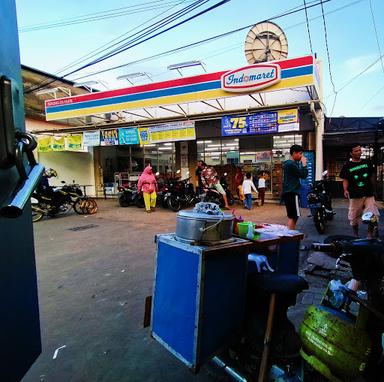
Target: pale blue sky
x=351, y=39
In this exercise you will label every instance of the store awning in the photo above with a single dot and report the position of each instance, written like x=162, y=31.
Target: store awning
x=284, y=82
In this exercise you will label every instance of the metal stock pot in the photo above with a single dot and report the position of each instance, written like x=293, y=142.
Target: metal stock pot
x=204, y=228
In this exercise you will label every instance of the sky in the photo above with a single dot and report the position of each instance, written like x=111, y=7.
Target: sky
x=353, y=64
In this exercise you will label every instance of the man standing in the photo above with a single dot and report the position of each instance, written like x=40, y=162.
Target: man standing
x=294, y=169
x=210, y=179
x=358, y=182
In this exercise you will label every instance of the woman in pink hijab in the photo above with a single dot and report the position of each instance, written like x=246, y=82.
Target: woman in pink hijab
x=148, y=185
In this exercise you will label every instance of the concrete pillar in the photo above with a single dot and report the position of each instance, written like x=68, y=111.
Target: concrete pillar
x=319, y=143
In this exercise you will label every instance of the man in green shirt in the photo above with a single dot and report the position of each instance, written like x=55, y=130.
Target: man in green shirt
x=294, y=169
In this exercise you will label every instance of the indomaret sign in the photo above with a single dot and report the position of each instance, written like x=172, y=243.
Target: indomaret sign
x=269, y=76
x=251, y=78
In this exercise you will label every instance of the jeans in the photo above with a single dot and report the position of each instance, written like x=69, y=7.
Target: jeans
x=248, y=201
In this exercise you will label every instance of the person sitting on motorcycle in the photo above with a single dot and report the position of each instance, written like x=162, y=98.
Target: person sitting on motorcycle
x=43, y=187
x=210, y=179
x=148, y=185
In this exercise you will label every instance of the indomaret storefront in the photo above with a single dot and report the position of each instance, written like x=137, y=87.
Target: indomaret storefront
x=247, y=117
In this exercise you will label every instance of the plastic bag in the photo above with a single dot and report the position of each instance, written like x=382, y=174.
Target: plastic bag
x=336, y=295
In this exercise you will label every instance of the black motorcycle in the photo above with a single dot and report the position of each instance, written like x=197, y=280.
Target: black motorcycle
x=53, y=201
x=320, y=203
x=181, y=194
x=224, y=183
x=129, y=196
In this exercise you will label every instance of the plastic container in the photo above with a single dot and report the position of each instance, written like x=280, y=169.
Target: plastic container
x=243, y=228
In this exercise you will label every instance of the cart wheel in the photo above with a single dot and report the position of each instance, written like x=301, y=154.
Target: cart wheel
x=91, y=206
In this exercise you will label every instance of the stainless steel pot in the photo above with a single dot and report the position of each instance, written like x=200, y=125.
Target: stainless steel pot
x=204, y=228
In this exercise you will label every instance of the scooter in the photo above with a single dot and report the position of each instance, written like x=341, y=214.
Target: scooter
x=320, y=203
x=129, y=196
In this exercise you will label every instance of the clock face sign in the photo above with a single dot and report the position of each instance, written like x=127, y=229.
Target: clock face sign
x=265, y=41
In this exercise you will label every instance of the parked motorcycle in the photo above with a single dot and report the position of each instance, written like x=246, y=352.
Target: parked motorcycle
x=181, y=195
x=342, y=336
x=224, y=183
x=320, y=203
x=129, y=196
x=59, y=200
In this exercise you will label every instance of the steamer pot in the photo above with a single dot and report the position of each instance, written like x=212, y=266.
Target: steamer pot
x=204, y=228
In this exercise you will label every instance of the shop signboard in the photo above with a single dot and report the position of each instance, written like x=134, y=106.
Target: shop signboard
x=288, y=120
x=251, y=78
x=109, y=137
x=129, y=136
x=167, y=132
x=143, y=135
x=172, y=132
x=74, y=142
x=259, y=123
x=91, y=138
x=44, y=144
x=58, y=143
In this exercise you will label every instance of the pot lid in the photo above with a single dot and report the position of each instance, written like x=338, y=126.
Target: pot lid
x=189, y=214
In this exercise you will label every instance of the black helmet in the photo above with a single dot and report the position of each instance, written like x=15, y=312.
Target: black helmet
x=50, y=172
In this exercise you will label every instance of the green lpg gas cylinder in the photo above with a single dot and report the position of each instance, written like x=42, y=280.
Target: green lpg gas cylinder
x=333, y=339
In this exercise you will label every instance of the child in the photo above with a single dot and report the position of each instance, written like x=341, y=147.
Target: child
x=248, y=186
x=261, y=188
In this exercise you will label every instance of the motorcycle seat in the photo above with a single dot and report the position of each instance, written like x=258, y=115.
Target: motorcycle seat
x=281, y=284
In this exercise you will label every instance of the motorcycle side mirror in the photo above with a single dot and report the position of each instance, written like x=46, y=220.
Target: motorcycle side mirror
x=62, y=182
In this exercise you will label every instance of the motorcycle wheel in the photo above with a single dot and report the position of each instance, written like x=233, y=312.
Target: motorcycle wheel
x=319, y=222
x=124, y=202
x=139, y=201
x=78, y=206
x=36, y=215
x=174, y=203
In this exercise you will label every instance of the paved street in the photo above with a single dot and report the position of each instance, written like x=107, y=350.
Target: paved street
x=94, y=273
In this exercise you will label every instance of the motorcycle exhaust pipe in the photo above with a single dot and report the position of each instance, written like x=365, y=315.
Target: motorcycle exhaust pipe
x=15, y=208
x=38, y=209
x=234, y=374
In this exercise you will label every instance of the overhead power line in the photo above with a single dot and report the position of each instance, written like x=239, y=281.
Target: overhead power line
x=195, y=44
x=145, y=32
x=117, y=39
x=309, y=32
x=148, y=33
x=102, y=15
x=376, y=34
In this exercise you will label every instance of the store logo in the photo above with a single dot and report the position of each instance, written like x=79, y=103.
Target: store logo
x=254, y=77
